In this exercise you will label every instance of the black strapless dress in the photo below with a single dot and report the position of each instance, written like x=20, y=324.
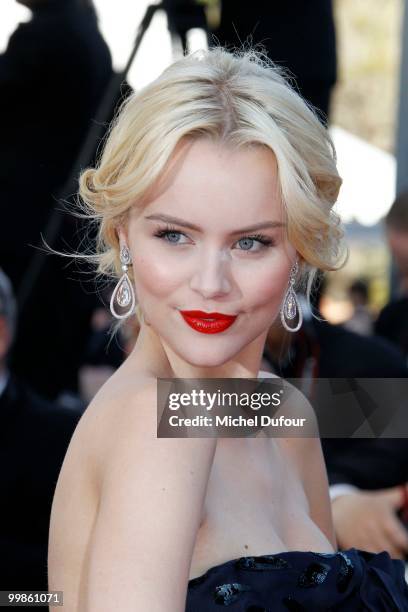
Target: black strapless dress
x=351, y=580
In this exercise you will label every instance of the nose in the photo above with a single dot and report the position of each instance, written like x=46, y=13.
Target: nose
x=212, y=277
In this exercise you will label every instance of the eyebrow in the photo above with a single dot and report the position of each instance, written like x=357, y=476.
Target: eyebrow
x=257, y=226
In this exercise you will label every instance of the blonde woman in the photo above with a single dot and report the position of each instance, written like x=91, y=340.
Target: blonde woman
x=214, y=196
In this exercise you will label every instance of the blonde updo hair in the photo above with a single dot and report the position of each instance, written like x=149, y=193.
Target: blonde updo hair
x=237, y=98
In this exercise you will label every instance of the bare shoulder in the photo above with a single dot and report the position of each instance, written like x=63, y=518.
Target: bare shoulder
x=127, y=412
x=121, y=403
x=303, y=440
x=129, y=415
x=293, y=402
x=150, y=502
x=121, y=392
x=78, y=491
x=296, y=404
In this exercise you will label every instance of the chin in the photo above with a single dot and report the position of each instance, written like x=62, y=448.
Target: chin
x=207, y=358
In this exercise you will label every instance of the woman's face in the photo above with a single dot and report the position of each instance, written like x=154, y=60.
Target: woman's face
x=198, y=245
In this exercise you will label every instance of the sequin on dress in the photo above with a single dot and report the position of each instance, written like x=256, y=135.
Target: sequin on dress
x=351, y=580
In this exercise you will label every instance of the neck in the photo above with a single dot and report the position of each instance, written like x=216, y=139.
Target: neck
x=162, y=362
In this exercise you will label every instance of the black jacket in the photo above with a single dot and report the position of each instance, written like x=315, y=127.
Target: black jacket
x=52, y=75
x=392, y=323
x=299, y=35
x=34, y=437
x=339, y=353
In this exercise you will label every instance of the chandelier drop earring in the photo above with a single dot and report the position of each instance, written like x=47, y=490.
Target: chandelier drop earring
x=291, y=305
x=123, y=295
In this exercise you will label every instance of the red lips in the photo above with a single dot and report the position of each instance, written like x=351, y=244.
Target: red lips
x=199, y=320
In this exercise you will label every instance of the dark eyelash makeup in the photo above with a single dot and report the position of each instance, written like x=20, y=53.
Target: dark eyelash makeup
x=261, y=238
x=169, y=229
x=160, y=232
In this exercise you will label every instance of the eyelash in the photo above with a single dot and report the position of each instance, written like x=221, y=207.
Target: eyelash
x=265, y=241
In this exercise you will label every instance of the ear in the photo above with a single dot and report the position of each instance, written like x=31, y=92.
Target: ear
x=301, y=260
x=122, y=235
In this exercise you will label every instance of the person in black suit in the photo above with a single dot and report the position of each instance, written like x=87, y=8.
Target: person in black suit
x=52, y=77
x=367, y=477
x=298, y=35
x=392, y=321
x=34, y=437
x=368, y=488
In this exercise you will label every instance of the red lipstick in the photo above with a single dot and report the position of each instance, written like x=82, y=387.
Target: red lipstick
x=207, y=322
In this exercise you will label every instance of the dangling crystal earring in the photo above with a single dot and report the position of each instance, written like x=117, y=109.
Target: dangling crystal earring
x=291, y=304
x=123, y=294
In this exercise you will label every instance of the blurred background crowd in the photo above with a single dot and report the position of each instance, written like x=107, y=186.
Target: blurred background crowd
x=60, y=82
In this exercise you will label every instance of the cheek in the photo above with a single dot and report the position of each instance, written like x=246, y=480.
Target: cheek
x=155, y=276
x=267, y=287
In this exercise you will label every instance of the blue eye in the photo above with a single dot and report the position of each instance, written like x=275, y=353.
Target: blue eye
x=172, y=235
x=248, y=241
x=169, y=235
